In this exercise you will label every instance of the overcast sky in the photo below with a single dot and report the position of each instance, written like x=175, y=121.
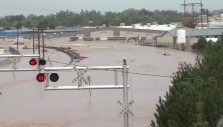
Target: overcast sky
x=44, y=7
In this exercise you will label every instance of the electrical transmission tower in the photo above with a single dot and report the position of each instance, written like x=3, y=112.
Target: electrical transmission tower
x=190, y=16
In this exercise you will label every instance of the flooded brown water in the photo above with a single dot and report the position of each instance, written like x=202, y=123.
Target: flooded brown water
x=25, y=103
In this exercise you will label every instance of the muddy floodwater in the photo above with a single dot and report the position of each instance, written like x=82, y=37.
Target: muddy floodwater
x=25, y=103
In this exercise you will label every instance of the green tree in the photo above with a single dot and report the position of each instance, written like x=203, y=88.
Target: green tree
x=200, y=121
x=200, y=45
x=69, y=19
x=195, y=97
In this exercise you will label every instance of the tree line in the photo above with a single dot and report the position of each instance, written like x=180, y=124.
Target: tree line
x=72, y=19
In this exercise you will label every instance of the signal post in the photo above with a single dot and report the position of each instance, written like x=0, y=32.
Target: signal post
x=51, y=74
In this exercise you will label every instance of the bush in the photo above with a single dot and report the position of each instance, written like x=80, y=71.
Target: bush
x=200, y=45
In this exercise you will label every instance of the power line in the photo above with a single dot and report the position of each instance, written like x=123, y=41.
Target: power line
x=162, y=76
x=152, y=75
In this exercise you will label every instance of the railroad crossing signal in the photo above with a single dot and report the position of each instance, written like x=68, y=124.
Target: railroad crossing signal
x=54, y=77
x=32, y=62
x=125, y=108
x=40, y=77
x=80, y=76
x=42, y=61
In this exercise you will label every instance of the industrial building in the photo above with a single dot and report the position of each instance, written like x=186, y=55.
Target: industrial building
x=169, y=38
x=114, y=33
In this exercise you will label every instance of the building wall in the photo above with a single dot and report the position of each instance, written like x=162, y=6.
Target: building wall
x=166, y=39
x=102, y=34
x=130, y=34
x=193, y=40
x=116, y=32
x=2, y=51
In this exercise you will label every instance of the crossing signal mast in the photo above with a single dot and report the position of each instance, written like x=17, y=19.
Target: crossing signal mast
x=50, y=74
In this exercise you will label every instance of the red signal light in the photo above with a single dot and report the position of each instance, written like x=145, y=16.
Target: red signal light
x=32, y=62
x=40, y=77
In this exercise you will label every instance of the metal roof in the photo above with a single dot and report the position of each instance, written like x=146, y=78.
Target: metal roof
x=198, y=32
x=165, y=27
x=119, y=29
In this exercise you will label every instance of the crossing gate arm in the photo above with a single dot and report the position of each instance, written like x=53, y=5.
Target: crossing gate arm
x=14, y=66
x=85, y=87
x=82, y=68
x=10, y=70
x=14, y=56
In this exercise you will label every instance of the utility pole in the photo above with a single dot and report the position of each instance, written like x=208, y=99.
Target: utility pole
x=43, y=44
x=33, y=41
x=184, y=11
x=184, y=5
x=193, y=11
x=17, y=44
x=125, y=93
x=38, y=40
x=193, y=16
x=201, y=15
x=207, y=13
x=39, y=44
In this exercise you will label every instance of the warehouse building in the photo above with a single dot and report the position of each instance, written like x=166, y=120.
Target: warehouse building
x=169, y=38
x=113, y=33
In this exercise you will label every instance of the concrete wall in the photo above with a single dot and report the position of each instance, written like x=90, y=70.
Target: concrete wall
x=130, y=34
x=167, y=40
